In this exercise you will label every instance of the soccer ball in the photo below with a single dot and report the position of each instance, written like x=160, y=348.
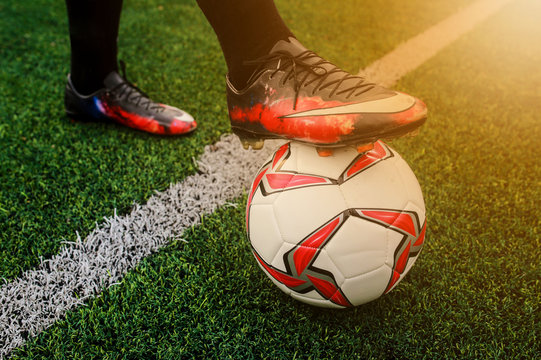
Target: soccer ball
x=335, y=231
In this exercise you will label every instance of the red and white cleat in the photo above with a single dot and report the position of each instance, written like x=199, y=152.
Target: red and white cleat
x=121, y=102
x=296, y=95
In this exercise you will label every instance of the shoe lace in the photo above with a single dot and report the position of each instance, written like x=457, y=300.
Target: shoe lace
x=133, y=93
x=315, y=69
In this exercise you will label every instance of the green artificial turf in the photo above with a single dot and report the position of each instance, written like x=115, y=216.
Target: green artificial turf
x=474, y=293
x=58, y=176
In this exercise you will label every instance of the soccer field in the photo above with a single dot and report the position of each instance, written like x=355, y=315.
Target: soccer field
x=116, y=244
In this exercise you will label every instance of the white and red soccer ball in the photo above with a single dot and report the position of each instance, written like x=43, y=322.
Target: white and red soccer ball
x=335, y=231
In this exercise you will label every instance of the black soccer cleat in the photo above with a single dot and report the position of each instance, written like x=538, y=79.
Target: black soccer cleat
x=122, y=102
x=296, y=95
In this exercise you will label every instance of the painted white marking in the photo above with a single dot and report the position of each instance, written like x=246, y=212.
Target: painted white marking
x=82, y=269
x=412, y=53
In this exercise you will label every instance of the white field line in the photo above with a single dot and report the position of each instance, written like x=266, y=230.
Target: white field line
x=412, y=53
x=82, y=269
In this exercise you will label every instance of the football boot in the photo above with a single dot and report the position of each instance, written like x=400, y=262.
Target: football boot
x=122, y=102
x=296, y=95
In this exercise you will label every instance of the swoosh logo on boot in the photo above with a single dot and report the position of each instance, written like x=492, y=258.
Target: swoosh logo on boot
x=393, y=104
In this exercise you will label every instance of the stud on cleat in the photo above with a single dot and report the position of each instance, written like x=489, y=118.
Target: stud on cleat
x=364, y=147
x=245, y=144
x=256, y=144
x=324, y=152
